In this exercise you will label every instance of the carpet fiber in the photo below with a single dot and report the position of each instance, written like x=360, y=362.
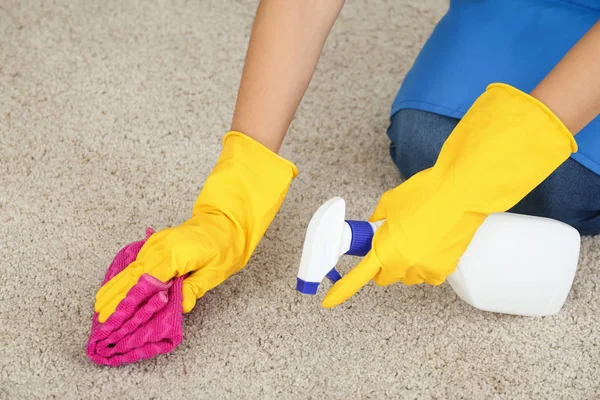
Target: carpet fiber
x=111, y=116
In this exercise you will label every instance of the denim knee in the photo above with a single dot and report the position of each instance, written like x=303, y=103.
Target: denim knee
x=571, y=194
x=417, y=138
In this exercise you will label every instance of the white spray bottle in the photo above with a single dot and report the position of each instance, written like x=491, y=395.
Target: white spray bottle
x=515, y=264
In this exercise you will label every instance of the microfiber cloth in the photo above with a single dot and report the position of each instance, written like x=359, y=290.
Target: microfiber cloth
x=148, y=322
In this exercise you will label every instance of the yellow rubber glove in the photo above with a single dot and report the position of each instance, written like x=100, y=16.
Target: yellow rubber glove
x=505, y=145
x=236, y=205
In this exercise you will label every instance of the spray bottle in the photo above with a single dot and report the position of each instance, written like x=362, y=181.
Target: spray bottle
x=515, y=264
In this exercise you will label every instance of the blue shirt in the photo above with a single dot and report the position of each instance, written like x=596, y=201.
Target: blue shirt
x=517, y=42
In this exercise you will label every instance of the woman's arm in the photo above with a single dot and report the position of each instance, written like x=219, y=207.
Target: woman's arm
x=286, y=41
x=572, y=89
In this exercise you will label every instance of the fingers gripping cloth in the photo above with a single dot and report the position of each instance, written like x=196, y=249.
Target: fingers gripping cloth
x=148, y=322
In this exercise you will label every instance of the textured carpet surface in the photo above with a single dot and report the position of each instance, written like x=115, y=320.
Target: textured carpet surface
x=111, y=115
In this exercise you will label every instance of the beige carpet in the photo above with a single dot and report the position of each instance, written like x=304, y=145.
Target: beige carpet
x=111, y=114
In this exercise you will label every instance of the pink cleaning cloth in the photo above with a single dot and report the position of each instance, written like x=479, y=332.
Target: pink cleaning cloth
x=148, y=322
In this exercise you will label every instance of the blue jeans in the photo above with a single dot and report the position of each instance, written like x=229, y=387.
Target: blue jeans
x=570, y=194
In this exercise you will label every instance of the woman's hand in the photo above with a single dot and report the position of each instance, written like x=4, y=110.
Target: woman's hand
x=506, y=145
x=236, y=205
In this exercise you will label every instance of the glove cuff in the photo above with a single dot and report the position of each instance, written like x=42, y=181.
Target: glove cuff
x=235, y=139
x=559, y=126
x=247, y=184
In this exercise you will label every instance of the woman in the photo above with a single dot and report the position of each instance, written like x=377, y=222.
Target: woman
x=522, y=77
